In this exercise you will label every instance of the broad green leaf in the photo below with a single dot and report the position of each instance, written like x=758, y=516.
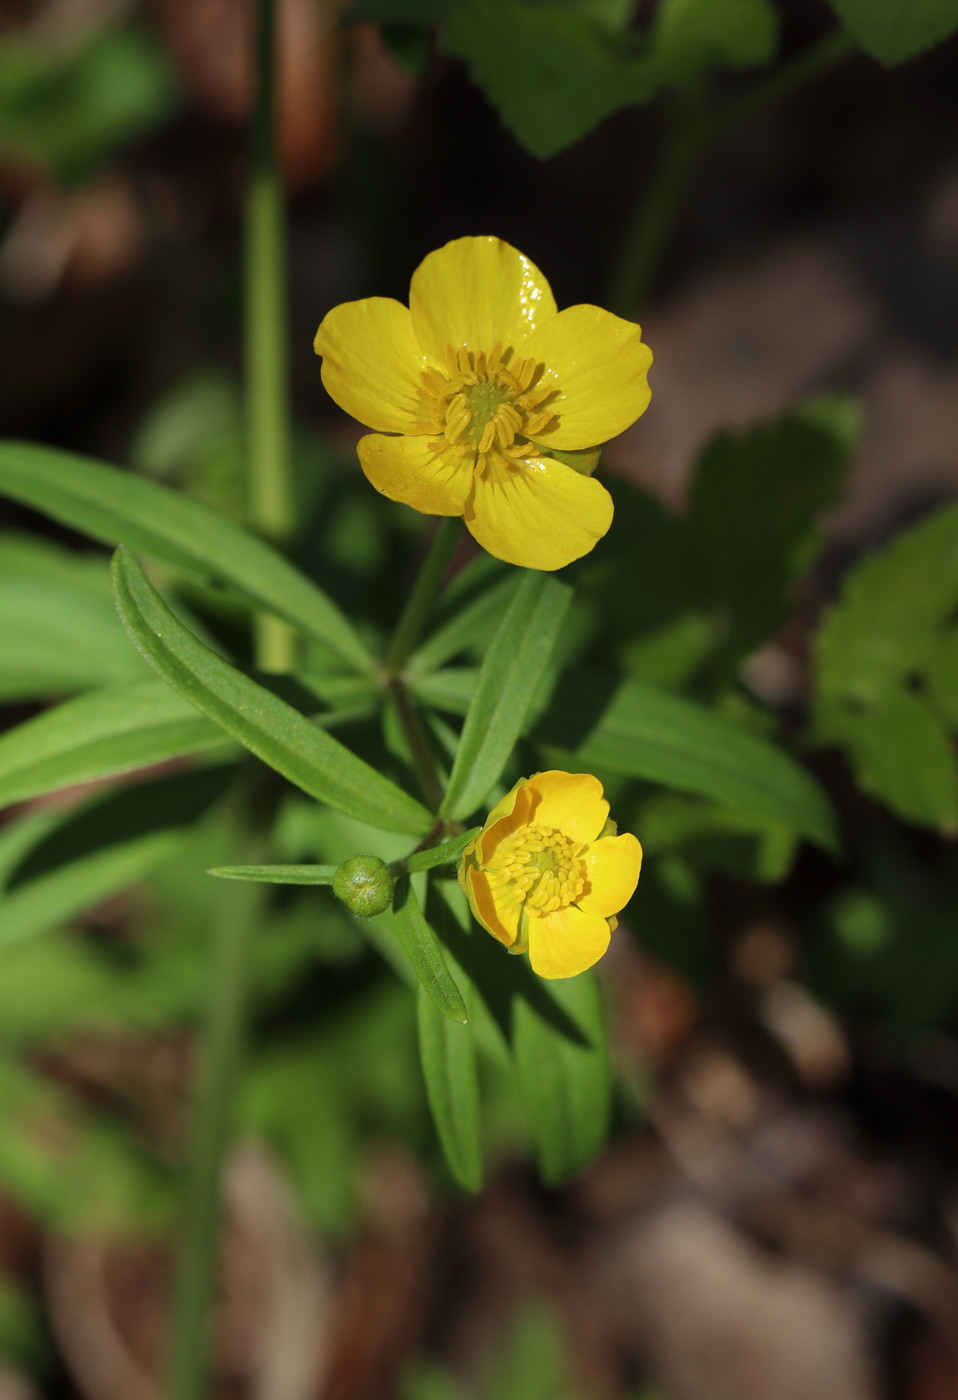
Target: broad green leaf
x=276, y=874
x=902, y=754
x=754, y=509
x=564, y=1077
x=634, y=729
x=106, y=846
x=264, y=724
x=891, y=616
x=508, y=679
x=422, y=948
x=99, y=735
x=895, y=30
x=120, y=508
x=452, y=1088
x=693, y=36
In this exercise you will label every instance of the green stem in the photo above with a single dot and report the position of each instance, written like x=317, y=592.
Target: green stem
x=212, y=1119
x=270, y=487
x=419, y=750
x=693, y=129
x=424, y=594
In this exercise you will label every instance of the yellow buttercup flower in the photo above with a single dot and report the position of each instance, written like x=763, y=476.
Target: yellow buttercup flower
x=472, y=388
x=547, y=874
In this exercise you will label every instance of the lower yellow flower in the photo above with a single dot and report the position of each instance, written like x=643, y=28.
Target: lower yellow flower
x=475, y=385
x=547, y=874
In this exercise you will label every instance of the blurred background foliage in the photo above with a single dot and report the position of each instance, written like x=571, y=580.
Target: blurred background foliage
x=773, y=188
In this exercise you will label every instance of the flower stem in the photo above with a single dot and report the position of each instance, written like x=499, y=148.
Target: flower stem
x=693, y=129
x=424, y=593
x=419, y=750
x=222, y=1047
x=269, y=477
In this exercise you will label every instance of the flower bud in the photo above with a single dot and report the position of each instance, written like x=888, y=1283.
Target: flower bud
x=365, y=885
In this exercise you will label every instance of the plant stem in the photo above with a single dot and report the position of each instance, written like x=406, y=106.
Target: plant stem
x=692, y=131
x=424, y=593
x=270, y=487
x=212, y=1118
x=419, y=750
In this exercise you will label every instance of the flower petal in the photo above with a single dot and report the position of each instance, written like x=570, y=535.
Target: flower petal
x=497, y=914
x=407, y=469
x=475, y=292
x=538, y=514
x=570, y=802
x=372, y=363
x=598, y=364
x=509, y=813
x=613, y=866
x=567, y=942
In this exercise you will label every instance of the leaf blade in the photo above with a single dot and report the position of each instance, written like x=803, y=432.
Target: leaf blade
x=266, y=725
x=422, y=948
x=120, y=508
x=452, y=1088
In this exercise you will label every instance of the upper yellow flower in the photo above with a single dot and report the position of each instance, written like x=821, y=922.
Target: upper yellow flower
x=481, y=378
x=544, y=877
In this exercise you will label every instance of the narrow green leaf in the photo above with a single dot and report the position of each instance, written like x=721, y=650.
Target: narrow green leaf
x=99, y=735
x=637, y=730
x=277, y=874
x=56, y=639
x=895, y=30
x=452, y=1088
x=424, y=953
x=471, y=625
x=565, y=1080
x=266, y=725
x=106, y=846
x=508, y=679
x=439, y=855
x=121, y=508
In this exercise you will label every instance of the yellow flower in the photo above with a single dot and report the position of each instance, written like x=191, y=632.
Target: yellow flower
x=473, y=387
x=544, y=877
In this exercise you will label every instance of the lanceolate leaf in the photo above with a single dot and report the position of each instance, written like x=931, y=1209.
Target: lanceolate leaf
x=266, y=725
x=895, y=30
x=100, y=734
x=56, y=639
x=424, y=953
x=565, y=1079
x=452, y=1087
x=121, y=508
x=508, y=679
x=276, y=874
x=634, y=729
x=101, y=849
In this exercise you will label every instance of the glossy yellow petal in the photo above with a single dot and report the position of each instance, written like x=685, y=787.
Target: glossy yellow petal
x=538, y=514
x=477, y=292
x=407, y=469
x=491, y=905
x=613, y=866
x=567, y=942
x=598, y=364
x=569, y=802
x=372, y=363
x=511, y=812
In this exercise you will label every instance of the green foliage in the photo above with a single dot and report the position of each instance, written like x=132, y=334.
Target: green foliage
x=520, y=650
x=68, y=110
x=884, y=659
x=895, y=30
x=554, y=69
x=263, y=723
x=120, y=508
x=449, y=1070
x=98, y=735
x=600, y=725
x=425, y=955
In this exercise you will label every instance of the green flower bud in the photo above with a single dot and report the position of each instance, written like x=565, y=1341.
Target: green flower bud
x=365, y=885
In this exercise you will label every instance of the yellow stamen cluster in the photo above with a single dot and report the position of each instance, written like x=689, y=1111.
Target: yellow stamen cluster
x=541, y=868
x=484, y=405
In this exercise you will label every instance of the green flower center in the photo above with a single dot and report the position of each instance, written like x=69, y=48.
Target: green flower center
x=542, y=868
x=487, y=405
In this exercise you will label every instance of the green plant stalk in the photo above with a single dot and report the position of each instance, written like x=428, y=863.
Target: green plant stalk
x=423, y=596
x=222, y=1050
x=269, y=476
x=694, y=128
